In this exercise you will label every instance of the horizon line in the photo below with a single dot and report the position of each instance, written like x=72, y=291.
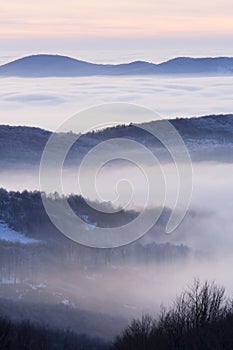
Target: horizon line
x=114, y=64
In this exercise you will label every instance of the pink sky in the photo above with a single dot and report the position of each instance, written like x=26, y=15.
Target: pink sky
x=27, y=20
x=74, y=18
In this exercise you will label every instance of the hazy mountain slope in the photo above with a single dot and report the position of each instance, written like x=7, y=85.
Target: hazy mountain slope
x=50, y=65
x=188, y=65
x=62, y=66
x=77, y=320
x=22, y=144
x=208, y=137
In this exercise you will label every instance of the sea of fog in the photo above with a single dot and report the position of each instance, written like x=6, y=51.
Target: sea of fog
x=210, y=202
x=48, y=102
x=129, y=292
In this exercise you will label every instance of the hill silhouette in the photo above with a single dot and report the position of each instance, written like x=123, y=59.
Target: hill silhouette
x=43, y=65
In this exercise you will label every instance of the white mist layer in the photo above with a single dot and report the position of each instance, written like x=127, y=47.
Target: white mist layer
x=51, y=101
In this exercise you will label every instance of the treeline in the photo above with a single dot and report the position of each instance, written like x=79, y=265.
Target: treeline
x=200, y=319
x=215, y=128
x=25, y=145
x=24, y=211
x=28, y=336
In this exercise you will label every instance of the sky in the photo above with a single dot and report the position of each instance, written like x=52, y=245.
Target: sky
x=114, y=24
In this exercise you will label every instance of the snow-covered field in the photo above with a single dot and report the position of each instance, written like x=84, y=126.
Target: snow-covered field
x=9, y=235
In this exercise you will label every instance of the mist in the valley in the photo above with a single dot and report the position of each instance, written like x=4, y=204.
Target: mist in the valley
x=49, y=102
x=129, y=287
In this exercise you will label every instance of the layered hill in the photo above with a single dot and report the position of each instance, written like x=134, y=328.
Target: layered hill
x=207, y=138
x=43, y=65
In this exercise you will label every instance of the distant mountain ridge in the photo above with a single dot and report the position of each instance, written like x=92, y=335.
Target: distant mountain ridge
x=45, y=65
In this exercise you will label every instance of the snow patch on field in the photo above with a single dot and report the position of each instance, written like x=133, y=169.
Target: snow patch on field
x=9, y=235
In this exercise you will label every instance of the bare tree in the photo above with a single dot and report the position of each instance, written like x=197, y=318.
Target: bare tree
x=194, y=321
